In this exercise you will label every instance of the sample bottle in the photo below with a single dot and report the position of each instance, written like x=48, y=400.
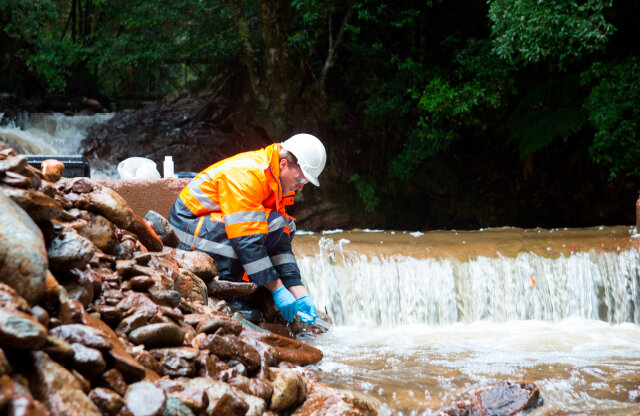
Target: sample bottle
x=168, y=167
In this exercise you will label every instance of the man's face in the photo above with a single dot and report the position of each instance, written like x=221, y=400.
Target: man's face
x=291, y=177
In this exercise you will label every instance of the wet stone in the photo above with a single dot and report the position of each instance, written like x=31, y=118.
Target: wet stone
x=108, y=401
x=198, y=263
x=323, y=400
x=52, y=169
x=145, y=233
x=195, y=399
x=5, y=366
x=222, y=399
x=136, y=320
x=260, y=388
x=228, y=325
x=145, y=399
x=41, y=315
x=137, y=301
x=177, y=362
x=112, y=379
x=502, y=399
x=145, y=358
x=163, y=229
x=111, y=205
x=290, y=350
x=88, y=361
x=26, y=405
x=158, y=335
x=58, y=349
x=109, y=313
x=9, y=299
x=288, y=390
x=169, y=298
x=141, y=283
x=23, y=256
x=100, y=231
x=17, y=180
x=72, y=311
x=175, y=407
x=39, y=206
x=79, y=185
x=191, y=286
x=6, y=390
x=68, y=250
x=59, y=389
x=21, y=331
x=217, y=287
x=85, y=335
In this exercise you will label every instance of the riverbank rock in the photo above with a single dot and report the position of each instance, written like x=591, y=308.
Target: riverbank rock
x=23, y=256
x=98, y=317
x=502, y=399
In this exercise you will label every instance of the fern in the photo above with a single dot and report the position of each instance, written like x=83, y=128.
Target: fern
x=549, y=112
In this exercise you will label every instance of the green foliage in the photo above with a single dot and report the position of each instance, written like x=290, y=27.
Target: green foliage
x=559, y=31
x=38, y=42
x=614, y=110
x=366, y=191
x=449, y=104
x=550, y=111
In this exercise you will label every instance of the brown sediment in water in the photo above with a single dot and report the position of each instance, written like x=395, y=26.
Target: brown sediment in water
x=466, y=245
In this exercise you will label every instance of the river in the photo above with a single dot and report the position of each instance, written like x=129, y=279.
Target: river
x=423, y=318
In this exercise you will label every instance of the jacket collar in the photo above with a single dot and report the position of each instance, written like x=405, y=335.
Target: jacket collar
x=273, y=159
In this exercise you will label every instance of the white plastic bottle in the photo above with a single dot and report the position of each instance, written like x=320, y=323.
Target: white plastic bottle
x=168, y=167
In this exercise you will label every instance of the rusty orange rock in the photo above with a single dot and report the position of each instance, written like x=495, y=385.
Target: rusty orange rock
x=286, y=349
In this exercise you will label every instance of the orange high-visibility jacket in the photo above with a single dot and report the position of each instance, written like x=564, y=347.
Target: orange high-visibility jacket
x=241, y=191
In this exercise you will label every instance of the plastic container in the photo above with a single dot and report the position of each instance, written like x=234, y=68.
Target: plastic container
x=138, y=168
x=168, y=167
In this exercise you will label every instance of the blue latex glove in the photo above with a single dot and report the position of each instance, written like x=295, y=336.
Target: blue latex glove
x=285, y=302
x=308, y=309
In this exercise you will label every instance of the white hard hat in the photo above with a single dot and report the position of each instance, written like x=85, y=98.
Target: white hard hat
x=310, y=154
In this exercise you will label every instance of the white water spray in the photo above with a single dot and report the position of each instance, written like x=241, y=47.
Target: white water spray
x=363, y=291
x=49, y=133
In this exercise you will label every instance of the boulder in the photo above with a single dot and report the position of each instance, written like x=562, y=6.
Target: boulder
x=23, y=256
x=60, y=391
x=69, y=250
x=326, y=401
x=163, y=229
x=502, y=399
x=191, y=287
x=199, y=263
x=288, y=390
x=158, y=335
x=145, y=399
x=19, y=330
x=286, y=349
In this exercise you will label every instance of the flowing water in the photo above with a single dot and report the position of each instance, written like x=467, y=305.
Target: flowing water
x=422, y=319
x=51, y=134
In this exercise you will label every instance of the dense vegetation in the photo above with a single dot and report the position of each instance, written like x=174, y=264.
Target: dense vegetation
x=427, y=104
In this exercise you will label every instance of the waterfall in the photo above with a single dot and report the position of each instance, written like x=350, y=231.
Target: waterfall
x=48, y=133
x=356, y=290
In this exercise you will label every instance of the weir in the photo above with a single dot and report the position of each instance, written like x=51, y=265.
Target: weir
x=372, y=291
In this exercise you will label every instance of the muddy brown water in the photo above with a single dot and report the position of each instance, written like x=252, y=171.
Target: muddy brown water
x=424, y=318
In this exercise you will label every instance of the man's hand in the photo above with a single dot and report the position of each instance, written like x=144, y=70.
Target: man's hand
x=285, y=302
x=306, y=306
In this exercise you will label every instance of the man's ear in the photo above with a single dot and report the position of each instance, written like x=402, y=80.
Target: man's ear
x=283, y=163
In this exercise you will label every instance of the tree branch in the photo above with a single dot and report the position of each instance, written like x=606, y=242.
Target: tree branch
x=331, y=53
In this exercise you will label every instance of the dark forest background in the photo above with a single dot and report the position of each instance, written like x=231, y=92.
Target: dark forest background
x=435, y=113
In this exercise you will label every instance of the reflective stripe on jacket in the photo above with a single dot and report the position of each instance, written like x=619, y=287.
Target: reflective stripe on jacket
x=239, y=191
